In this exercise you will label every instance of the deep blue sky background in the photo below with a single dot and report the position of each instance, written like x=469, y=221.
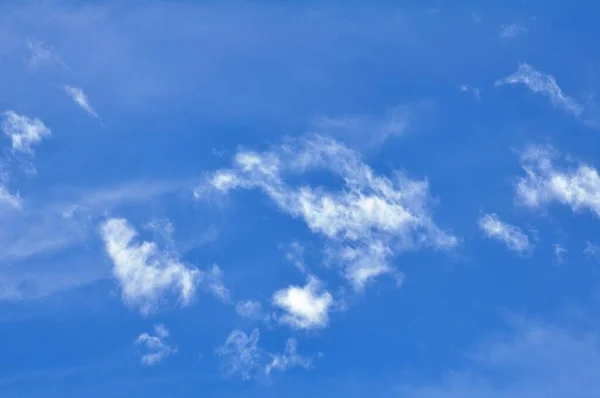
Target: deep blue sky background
x=180, y=87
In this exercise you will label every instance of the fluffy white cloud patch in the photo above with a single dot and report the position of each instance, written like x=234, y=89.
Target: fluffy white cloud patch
x=510, y=235
x=365, y=223
x=144, y=272
x=241, y=355
x=23, y=131
x=156, y=345
x=80, y=99
x=575, y=185
x=306, y=307
x=541, y=83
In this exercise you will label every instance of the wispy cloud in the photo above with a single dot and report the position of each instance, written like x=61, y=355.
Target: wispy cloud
x=241, y=355
x=470, y=89
x=575, y=185
x=365, y=224
x=249, y=309
x=541, y=83
x=306, y=307
x=512, y=31
x=559, y=252
x=367, y=131
x=13, y=201
x=536, y=360
x=156, y=344
x=41, y=55
x=23, y=131
x=510, y=235
x=144, y=272
x=592, y=250
x=80, y=99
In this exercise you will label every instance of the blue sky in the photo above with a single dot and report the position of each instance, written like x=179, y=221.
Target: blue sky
x=327, y=199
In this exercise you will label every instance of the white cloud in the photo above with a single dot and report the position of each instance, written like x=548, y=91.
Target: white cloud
x=558, y=253
x=249, y=309
x=536, y=360
x=80, y=99
x=288, y=359
x=512, y=31
x=157, y=346
x=576, y=185
x=307, y=307
x=241, y=355
x=367, y=222
x=13, y=201
x=143, y=271
x=213, y=281
x=470, y=89
x=510, y=235
x=544, y=84
x=24, y=132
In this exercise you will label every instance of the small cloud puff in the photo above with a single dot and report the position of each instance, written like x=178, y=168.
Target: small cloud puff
x=81, y=99
x=156, y=345
x=306, y=307
x=510, y=235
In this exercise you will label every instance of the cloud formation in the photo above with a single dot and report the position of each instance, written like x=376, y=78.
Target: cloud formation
x=510, y=235
x=537, y=360
x=80, y=99
x=541, y=83
x=156, y=344
x=240, y=354
x=306, y=307
x=574, y=185
x=368, y=221
x=512, y=31
x=24, y=132
x=145, y=273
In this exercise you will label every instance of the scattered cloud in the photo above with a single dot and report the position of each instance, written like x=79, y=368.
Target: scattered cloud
x=41, y=55
x=541, y=83
x=592, y=250
x=512, y=31
x=294, y=253
x=241, y=355
x=213, y=281
x=368, y=131
x=306, y=307
x=80, y=99
x=144, y=272
x=470, y=89
x=372, y=219
x=13, y=201
x=536, y=360
x=559, y=251
x=24, y=132
x=575, y=185
x=156, y=344
x=249, y=309
x=510, y=235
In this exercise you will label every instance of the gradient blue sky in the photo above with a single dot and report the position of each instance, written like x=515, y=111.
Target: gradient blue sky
x=326, y=199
